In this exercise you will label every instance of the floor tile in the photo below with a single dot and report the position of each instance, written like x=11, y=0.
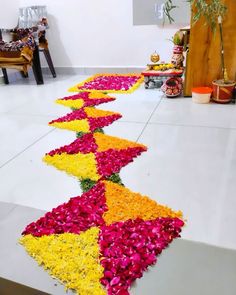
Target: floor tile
x=192, y=169
x=28, y=181
x=17, y=132
x=10, y=98
x=186, y=268
x=5, y=209
x=127, y=130
x=182, y=111
x=137, y=106
x=12, y=253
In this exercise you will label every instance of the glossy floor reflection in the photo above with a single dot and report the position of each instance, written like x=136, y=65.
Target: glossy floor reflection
x=190, y=164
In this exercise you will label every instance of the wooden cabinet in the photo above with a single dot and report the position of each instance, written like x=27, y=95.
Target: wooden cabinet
x=203, y=60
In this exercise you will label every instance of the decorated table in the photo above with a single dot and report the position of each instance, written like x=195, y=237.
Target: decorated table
x=155, y=78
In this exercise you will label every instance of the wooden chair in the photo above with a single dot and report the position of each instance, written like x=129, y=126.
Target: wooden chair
x=32, y=26
x=20, y=55
x=37, y=16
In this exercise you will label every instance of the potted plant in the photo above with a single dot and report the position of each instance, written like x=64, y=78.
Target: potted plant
x=222, y=88
x=213, y=11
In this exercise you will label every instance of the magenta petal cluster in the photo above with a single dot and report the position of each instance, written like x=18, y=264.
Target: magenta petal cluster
x=111, y=161
x=87, y=100
x=94, y=122
x=128, y=248
x=85, y=144
x=80, y=95
x=101, y=122
x=75, y=216
x=75, y=115
x=111, y=82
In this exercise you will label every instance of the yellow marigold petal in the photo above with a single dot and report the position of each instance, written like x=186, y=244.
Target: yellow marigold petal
x=72, y=259
x=105, y=142
x=80, y=165
x=97, y=95
x=124, y=204
x=75, y=125
x=72, y=103
x=95, y=113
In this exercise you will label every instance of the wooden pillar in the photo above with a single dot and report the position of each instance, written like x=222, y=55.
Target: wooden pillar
x=204, y=60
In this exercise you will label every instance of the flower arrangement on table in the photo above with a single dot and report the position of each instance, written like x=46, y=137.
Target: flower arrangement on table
x=102, y=241
x=116, y=83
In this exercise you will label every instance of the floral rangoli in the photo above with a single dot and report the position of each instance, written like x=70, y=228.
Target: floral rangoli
x=102, y=241
x=116, y=83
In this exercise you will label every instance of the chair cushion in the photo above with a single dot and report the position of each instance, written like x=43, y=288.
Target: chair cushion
x=24, y=56
x=18, y=45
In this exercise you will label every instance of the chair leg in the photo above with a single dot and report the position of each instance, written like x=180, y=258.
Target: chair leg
x=5, y=76
x=49, y=61
x=37, y=67
x=24, y=75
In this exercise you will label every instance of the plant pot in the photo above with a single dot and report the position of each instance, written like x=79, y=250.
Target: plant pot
x=178, y=49
x=201, y=94
x=223, y=92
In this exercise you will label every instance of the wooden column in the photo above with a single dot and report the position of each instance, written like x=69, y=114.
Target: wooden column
x=204, y=61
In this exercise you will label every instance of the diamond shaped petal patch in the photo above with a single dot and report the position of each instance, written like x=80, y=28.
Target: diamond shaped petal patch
x=84, y=99
x=94, y=156
x=85, y=120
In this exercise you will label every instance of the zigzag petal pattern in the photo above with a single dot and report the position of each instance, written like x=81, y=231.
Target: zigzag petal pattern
x=94, y=156
x=85, y=120
x=84, y=99
x=102, y=241
x=105, y=203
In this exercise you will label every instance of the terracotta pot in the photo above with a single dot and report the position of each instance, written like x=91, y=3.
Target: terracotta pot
x=172, y=87
x=222, y=92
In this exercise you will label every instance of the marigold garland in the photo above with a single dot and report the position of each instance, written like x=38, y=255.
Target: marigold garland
x=112, y=83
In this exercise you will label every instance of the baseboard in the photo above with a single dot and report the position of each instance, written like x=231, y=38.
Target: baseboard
x=93, y=70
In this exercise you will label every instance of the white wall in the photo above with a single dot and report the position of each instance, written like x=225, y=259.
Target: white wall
x=8, y=13
x=87, y=33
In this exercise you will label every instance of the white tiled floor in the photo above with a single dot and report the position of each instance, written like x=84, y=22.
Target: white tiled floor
x=190, y=164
